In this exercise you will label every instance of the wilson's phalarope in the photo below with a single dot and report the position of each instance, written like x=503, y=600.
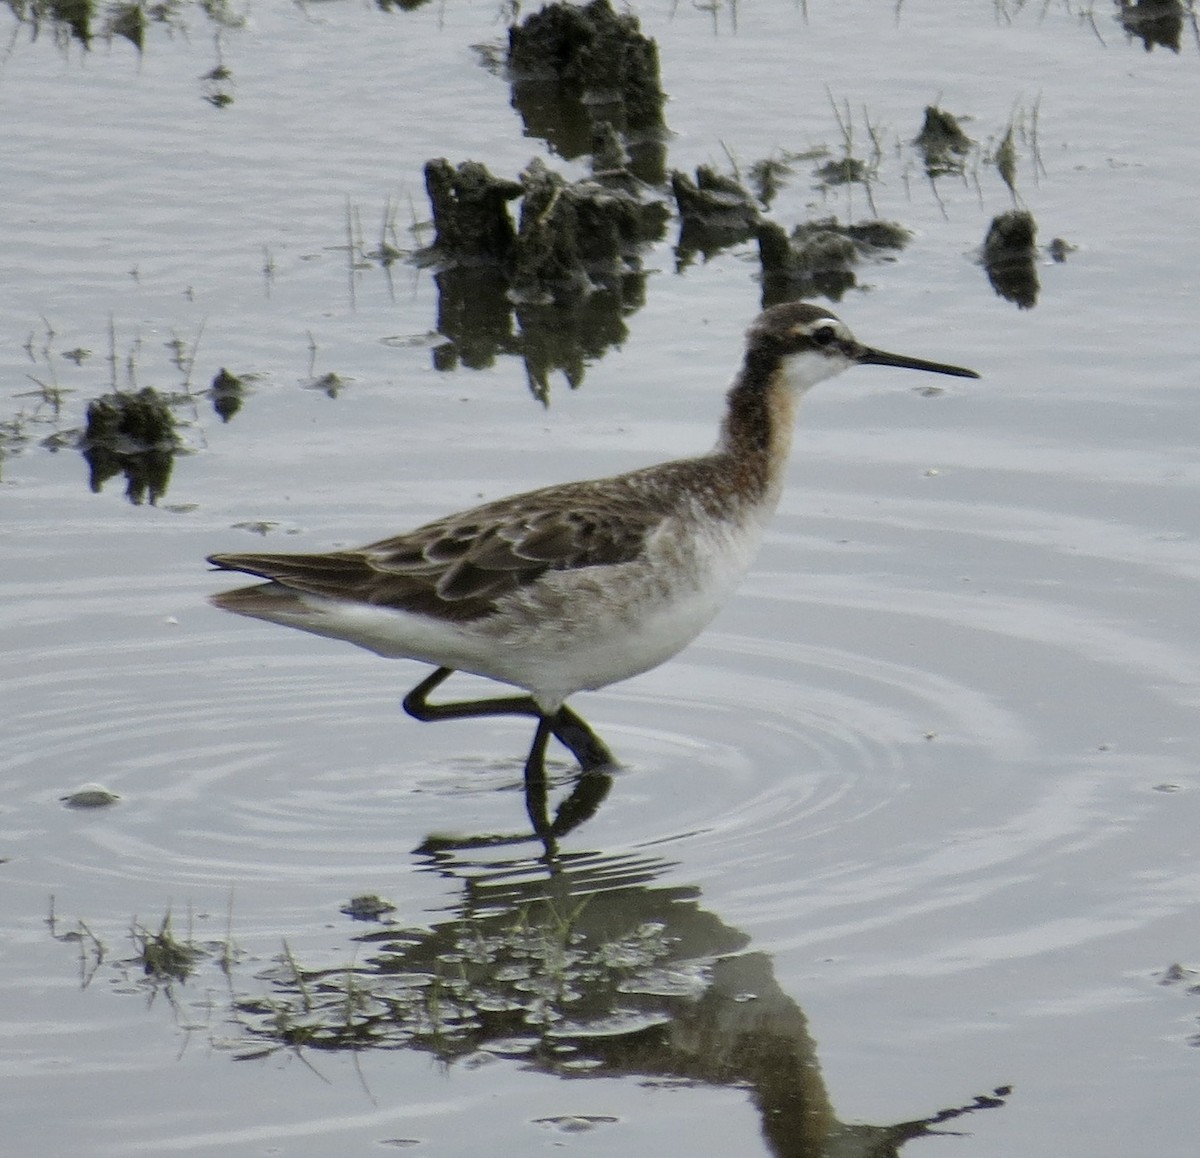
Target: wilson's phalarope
x=576, y=586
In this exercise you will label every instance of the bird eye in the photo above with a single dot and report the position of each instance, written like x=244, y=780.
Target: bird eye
x=824, y=334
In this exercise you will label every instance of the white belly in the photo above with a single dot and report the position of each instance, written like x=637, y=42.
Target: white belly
x=570, y=630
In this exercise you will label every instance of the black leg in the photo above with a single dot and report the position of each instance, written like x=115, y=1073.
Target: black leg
x=572, y=732
x=418, y=706
x=595, y=760
x=535, y=784
x=567, y=726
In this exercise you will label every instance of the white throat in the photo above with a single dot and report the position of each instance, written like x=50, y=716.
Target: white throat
x=804, y=370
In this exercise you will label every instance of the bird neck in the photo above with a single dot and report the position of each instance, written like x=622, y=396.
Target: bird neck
x=756, y=432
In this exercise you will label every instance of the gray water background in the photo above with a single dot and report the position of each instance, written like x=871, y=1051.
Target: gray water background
x=937, y=760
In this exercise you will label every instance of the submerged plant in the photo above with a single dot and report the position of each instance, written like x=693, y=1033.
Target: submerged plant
x=163, y=956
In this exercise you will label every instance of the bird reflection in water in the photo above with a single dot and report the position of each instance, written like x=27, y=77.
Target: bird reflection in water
x=584, y=969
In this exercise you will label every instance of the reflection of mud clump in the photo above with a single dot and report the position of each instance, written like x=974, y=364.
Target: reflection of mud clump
x=1009, y=257
x=942, y=142
x=1153, y=22
x=129, y=21
x=134, y=435
x=573, y=68
x=715, y=211
x=818, y=259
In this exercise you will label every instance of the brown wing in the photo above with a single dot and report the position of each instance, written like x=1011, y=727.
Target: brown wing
x=458, y=567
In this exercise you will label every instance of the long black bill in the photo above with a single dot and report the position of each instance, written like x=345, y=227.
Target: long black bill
x=870, y=357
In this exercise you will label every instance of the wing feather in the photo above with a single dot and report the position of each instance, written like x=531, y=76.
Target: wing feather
x=459, y=567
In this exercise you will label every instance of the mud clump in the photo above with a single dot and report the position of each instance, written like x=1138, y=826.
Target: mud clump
x=571, y=265
x=1009, y=257
x=470, y=212
x=133, y=435
x=573, y=237
x=576, y=236
x=715, y=211
x=942, y=143
x=575, y=67
x=227, y=393
x=818, y=258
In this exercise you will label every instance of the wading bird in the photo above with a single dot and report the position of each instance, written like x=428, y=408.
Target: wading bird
x=575, y=586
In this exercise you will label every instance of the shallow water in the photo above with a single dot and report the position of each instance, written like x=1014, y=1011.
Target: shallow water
x=913, y=821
